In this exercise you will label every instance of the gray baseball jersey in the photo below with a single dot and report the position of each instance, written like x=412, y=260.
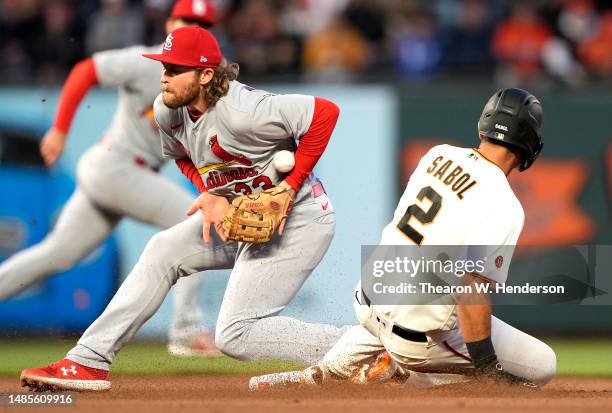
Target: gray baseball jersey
x=233, y=142
x=232, y=146
x=133, y=128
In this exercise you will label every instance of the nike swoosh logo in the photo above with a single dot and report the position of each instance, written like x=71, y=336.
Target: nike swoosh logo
x=325, y=205
x=178, y=125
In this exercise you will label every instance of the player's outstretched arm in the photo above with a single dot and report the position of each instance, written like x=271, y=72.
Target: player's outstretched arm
x=82, y=77
x=474, y=312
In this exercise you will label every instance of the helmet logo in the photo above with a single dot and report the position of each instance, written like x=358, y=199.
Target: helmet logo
x=168, y=43
x=500, y=136
x=502, y=127
x=199, y=7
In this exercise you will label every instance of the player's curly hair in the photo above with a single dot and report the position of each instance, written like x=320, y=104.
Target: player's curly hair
x=219, y=84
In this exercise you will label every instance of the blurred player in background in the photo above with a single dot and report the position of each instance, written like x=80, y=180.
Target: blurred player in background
x=118, y=177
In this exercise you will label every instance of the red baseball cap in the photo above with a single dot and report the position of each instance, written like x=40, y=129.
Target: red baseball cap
x=198, y=10
x=190, y=46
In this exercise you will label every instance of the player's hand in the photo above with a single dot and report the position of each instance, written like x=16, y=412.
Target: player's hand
x=52, y=145
x=497, y=373
x=291, y=192
x=213, y=210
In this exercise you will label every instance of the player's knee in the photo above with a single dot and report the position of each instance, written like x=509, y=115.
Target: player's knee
x=156, y=249
x=160, y=253
x=59, y=258
x=337, y=366
x=228, y=339
x=341, y=361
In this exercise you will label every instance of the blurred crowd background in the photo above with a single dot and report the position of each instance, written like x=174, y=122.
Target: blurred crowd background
x=556, y=43
x=410, y=74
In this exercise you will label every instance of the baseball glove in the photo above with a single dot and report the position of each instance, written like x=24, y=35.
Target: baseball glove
x=255, y=217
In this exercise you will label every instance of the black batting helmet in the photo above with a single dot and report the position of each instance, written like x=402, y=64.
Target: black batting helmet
x=513, y=117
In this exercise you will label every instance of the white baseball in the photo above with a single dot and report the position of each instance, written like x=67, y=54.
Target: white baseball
x=283, y=161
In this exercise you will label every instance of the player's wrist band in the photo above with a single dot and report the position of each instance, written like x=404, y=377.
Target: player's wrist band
x=482, y=353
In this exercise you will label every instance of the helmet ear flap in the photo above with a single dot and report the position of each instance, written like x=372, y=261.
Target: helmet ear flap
x=529, y=160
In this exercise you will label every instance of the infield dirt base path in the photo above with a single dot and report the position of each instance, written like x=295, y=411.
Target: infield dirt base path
x=230, y=394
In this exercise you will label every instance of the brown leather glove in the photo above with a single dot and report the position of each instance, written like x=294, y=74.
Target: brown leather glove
x=256, y=217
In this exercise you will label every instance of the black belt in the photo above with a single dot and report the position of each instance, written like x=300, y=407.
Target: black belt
x=402, y=332
x=409, y=335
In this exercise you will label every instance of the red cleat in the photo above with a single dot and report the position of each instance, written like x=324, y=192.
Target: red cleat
x=65, y=375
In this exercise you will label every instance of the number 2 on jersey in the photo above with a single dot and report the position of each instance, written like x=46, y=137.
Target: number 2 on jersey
x=424, y=217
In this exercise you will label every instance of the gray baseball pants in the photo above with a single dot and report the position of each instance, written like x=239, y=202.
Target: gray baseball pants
x=264, y=279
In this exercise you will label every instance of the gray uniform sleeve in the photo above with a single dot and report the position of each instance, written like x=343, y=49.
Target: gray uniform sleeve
x=277, y=117
x=171, y=148
x=121, y=66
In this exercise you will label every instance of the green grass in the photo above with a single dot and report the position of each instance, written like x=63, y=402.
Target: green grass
x=575, y=358
x=583, y=357
x=136, y=358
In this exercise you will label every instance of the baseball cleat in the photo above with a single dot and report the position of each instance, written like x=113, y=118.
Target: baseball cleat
x=65, y=375
x=202, y=346
x=383, y=369
x=310, y=376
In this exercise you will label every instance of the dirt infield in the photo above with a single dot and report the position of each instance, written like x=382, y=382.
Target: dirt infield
x=230, y=394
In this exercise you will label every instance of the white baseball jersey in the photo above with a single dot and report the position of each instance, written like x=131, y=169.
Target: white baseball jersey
x=233, y=143
x=138, y=81
x=455, y=196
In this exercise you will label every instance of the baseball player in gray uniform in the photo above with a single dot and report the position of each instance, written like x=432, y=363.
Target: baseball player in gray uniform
x=455, y=197
x=116, y=178
x=225, y=135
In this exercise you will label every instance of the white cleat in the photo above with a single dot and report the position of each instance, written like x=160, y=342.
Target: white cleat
x=201, y=346
x=310, y=376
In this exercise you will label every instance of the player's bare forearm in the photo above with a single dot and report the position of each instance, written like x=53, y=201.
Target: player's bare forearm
x=474, y=312
x=475, y=321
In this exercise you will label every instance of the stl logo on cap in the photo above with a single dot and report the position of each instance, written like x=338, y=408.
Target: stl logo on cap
x=190, y=46
x=199, y=7
x=168, y=43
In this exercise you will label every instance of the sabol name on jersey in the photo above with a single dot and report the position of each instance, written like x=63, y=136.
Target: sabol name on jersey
x=451, y=175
